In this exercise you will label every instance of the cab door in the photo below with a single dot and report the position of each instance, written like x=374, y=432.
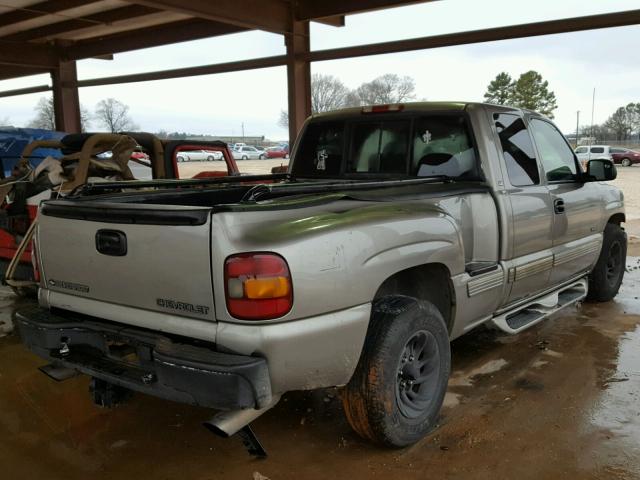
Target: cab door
x=577, y=208
x=529, y=258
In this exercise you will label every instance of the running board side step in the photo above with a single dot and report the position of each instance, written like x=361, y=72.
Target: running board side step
x=533, y=312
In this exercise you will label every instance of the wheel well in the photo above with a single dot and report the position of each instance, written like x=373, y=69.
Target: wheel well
x=431, y=282
x=618, y=218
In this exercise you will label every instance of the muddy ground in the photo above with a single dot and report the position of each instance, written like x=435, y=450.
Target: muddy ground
x=560, y=400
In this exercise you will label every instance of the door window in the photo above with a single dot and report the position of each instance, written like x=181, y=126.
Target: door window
x=581, y=150
x=517, y=150
x=556, y=155
x=597, y=149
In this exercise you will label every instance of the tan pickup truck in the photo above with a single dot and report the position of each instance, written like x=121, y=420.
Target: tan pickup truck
x=396, y=229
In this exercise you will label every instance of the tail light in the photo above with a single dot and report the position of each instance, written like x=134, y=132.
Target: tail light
x=258, y=286
x=396, y=107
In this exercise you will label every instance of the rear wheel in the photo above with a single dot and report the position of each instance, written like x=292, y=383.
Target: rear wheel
x=286, y=155
x=626, y=162
x=606, y=277
x=244, y=157
x=210, y=158
x=261, y=157
x=180, y=158
x=395, y=395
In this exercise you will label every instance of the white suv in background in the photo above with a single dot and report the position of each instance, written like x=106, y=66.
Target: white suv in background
x=586, y=153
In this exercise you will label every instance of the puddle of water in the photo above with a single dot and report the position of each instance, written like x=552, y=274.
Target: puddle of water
x=465, y=379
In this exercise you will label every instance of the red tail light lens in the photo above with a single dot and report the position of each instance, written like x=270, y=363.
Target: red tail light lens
x=257, y=286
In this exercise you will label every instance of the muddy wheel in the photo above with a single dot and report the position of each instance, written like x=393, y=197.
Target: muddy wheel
x=396, y=392
x=606, y=277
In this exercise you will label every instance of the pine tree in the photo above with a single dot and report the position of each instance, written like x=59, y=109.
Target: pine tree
x=530, y=91
x=500, y=90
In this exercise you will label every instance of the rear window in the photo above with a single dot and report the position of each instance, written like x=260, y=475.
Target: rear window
x=597, y=149
x=430, y=145
x=380, y=147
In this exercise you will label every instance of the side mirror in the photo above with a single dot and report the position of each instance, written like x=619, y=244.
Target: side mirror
x=601, y=170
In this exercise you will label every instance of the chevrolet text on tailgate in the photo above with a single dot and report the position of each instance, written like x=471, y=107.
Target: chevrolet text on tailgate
x=396, y=229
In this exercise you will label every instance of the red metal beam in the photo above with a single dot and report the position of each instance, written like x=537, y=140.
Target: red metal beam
x=298, y=77
x=239, y=66
x=22, y=54
x=314, y=9
x=270, y=15
x=110, y=16
x=66, y=102
x=25, y=91
x=39, y=9
x=167, y=33
x=576, y=24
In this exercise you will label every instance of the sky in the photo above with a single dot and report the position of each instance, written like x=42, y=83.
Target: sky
x=573, y=64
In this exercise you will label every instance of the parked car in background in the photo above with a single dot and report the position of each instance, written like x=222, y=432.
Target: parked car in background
x=246, y=153
x=198, y=156
x=625, y=156
x=277, y=152
x=586, y=153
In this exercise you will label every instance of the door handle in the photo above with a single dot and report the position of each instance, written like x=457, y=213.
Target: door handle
x=558, y=206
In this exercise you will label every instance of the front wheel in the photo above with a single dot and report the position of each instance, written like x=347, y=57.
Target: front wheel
x=210, y=158
x=261, y=157
x=626, y=162
x=606, y=277
x=244, y=157
x=395, y=395
x=286, y=155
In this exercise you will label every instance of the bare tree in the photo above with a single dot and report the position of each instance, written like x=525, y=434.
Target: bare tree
x=114, y=116
x=327, y=93
x=388, y=88
x=46, y=118
x=45, y=115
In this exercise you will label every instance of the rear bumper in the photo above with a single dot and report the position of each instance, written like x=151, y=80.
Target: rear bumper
x=146, y=361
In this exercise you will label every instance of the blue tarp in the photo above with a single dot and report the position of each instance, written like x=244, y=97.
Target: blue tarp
x=13, y=141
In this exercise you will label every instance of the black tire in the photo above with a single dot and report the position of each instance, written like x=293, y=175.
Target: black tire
x=286, y=155
x=261, y=157
x=244, y=157
x=382, y=403
x=625, y=162
x=210, y=158
x=606, y=277
x=180, y=159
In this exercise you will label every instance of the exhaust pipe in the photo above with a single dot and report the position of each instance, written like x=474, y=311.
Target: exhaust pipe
x=225, y=424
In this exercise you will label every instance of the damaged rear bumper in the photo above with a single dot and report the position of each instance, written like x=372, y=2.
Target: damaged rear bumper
x=147, y=361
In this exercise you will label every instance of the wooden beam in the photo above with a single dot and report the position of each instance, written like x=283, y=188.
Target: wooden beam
x=239, y=66
x=313, y=9
x=108, y=17
x=576, y=24
x=28, y=55
x=335, y=21
x=39, y=9
x=298, y=78
x=269, y=15
x=7, y=72
x=66, y=102
x=167, y=33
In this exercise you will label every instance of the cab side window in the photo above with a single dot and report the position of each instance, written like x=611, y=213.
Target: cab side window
x=557, y=157
x=517, y=150
x=581, y=150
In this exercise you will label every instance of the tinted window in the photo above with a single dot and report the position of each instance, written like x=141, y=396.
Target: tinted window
x=442, y=146
x=597, y=150
x=321, y=151
x=581, y=150
x=380, y=147
x=556, y=155
x=517, y=150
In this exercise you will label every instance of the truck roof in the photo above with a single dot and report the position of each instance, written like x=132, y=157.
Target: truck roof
x=416, y=107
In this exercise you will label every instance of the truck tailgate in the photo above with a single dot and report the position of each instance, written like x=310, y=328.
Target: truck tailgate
x=153, y=257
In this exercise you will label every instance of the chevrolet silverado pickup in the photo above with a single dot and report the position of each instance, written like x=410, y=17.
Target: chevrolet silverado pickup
x=396, y=229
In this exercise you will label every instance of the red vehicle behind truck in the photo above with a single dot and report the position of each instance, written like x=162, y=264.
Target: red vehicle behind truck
x=90, y=157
